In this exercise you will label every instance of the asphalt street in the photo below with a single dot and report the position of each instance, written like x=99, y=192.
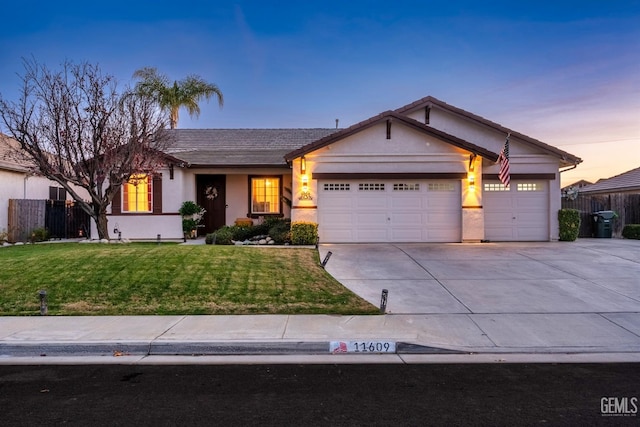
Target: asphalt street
x=321, y=395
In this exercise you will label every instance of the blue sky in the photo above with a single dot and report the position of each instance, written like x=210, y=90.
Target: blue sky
x=564, y=72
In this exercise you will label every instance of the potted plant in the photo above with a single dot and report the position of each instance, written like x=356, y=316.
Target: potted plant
x=191, y=214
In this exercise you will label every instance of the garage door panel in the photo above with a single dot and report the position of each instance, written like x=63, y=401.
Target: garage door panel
x=407, y=203
x=338, y=219
x=336, y=234
x=406, y=235
x=372, y=234
x=339, y=203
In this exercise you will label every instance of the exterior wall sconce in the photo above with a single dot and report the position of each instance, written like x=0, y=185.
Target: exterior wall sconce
x=303, y=165
x=471, y=179
x=306, y=194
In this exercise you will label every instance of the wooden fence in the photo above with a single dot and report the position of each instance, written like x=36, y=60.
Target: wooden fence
x=24, y=217
x=62, y=219
x=625, y=205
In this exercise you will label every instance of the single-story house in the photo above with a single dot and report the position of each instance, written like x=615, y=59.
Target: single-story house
x=627, y=182
x=19, y=181
x=425, y=172
x=620, y=194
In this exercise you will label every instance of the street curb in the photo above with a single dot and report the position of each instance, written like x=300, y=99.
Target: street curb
x=193, y=349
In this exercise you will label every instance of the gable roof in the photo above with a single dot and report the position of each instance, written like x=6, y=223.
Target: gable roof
x=11, y=157
x=239, y=147
x=395, y=116
x=628, y=181
x=567, y=159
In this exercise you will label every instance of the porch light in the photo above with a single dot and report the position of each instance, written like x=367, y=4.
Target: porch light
x=303, y=165
x=472, y=181
x=306, y=194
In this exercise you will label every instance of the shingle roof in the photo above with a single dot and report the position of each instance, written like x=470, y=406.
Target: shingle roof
x=628, y=181
x=568, y=159
x=10, y=156
x=240, y=147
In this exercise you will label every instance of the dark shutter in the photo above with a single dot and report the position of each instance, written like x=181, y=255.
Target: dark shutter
x=156, y=187
x=116, y=203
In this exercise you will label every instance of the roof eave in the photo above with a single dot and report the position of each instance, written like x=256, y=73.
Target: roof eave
x=567, y=159
x=453, y=140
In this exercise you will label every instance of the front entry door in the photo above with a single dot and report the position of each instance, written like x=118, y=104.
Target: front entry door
x=211, y=196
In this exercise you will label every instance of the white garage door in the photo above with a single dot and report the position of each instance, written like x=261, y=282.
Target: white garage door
x=389, y=211
x=519, y=212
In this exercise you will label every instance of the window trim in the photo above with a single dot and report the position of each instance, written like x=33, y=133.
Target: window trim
x=250, y=195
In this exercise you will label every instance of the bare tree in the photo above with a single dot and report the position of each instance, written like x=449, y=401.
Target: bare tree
x=81, y=132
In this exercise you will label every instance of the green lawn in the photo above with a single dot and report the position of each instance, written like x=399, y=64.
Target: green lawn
x=141, y=278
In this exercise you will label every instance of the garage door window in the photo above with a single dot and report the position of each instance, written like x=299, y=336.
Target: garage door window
x=370, y=186
x=495, y=187
x=330, y=186
x=529, y=187
x=406, y=187
x=442, y=186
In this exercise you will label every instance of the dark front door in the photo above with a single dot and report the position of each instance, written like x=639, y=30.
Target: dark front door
x=211, y=197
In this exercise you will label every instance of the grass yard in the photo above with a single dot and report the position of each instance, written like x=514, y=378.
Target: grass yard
x=147, y=278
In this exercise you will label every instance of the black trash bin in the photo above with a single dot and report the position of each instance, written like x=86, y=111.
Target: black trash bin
x=602, y=222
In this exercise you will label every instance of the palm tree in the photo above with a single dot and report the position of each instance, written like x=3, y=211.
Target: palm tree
x=184, y=93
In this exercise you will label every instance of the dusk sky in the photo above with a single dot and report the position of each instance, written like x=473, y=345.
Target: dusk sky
x=564, y=72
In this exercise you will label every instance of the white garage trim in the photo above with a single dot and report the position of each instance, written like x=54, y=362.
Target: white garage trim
x=410, y=210
x=519, y=212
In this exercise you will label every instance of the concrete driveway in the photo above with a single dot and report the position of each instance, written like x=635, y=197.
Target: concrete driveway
x=552, y=294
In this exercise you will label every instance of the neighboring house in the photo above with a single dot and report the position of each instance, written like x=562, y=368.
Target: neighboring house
x=425, y=172
x=18, y=180
x=620, y=194
x=628, y=182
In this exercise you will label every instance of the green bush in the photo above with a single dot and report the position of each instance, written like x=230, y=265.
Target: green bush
x=280, y=231
x=189, y=208
x=191, y=216
x=304, y=233
x=39, y=234
x=224, y=235
x=569, y=220
x=242, y=233
x=631, y=231
x=210, y=239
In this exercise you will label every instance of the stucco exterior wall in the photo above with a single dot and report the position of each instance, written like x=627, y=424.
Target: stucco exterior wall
x=182, y=188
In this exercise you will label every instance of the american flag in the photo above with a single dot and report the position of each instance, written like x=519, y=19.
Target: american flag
x=503, y=159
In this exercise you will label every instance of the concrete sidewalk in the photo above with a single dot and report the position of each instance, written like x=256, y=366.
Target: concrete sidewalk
x=550, y=302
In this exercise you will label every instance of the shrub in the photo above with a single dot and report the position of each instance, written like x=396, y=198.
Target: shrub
x=189, y=208
x=242, y=233
x=39, y=234
x=304, y=233
x=191, y=216
x=569, y=220
x=631, y=231
x=224, y=236
x=210, y=239
x=280, y=231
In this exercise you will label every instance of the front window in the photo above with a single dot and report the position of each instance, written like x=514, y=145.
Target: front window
x=136, y=194
x=265, y=195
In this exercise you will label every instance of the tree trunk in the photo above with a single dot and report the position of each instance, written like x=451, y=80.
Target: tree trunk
x=102, y=225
